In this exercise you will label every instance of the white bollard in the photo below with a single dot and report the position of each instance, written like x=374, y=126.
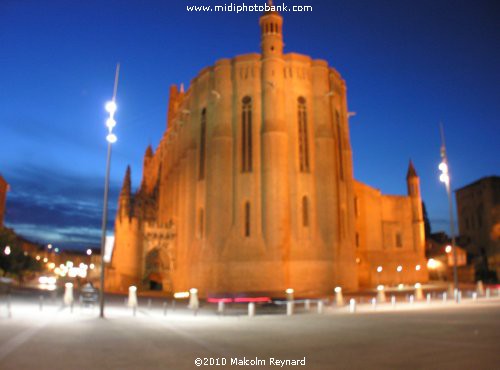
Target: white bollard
x=220, y=307
x=445, y=296
x=149, y=304
x=393, y=301
x=9, y=308
x=474, y=296
x=40, y=303
x=194, y=303
x=132, y=298
x=307, y=304
x=381, y=294
x=488, y=293
x=289, y=308
x=339, y=298
x=480, y=288
x=68, y=294
x=459, y=296
x=165, y=308
x=419, y=293
x=320, y=307
x=374, y=303
x=251, y=309
x=428, y=298
x=412, y=299
x=352, y=305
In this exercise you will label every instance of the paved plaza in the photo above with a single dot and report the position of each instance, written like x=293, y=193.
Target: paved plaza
x=409, y=336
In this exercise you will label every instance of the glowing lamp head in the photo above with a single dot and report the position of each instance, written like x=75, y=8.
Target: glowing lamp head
x=399, y=268
x=111, y=138
x=418, y=286
x=111, y=107
x=338, y=289
x=401, y=286
x=89, y=252
x=418, y=267
x=110, y=123
x=49, y=246
x=289, y=291
x=380, y=288
x=448, y=249
x=444, y=178
x=7, y=250
x=92, y=266
x=432, y=263
x=68, y=285
x=379, y=269
x=443, y=167
x=193, y=290
x=132, y=288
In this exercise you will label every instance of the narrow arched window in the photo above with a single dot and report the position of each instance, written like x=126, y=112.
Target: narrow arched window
x=201, y=223
x=203, y=138
x=303, y=140
x=340, y=147
x=305, y=211
x=246, y=135
x=247, y=219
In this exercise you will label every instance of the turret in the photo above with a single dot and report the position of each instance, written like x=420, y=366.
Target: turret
x=271, y=28
x=124, y=202
x=413, y=181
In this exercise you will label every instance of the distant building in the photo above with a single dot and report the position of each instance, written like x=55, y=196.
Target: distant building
x=251, y=189
x=4, y=187
x=478, y=207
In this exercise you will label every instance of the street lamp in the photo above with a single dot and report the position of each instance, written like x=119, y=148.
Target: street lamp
x=110, y=138
x=444, y=177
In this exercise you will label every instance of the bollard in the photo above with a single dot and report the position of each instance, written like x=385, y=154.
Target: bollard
x=165, y=308
x=393, y=301
x=419, y=293
x=68, y=295
x=381, y=294
x=132, y=299
x=40, y=303
x=125, y=301
x=428, y=298
x=289, y=308
x=220, y=307
x=9, y=309
x=459, y=297
x=352, y=305
x=455, y=294
x=474, y=296
x=488, y=293
x=480, y=288
x=374, y=303
x=412, y=298
x=251, y=309
x=320, y=307
x=173, y=305
x=339, y=298
x=445, y=296
x=307, y=304
x=149, y=304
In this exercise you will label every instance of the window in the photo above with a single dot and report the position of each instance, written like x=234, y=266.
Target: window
x=247, y=219
x=303, y=142
x=340, y=146
x=246, y=135
x=201, y=223
x=357, y=240
x=203, y=134
x=399, y=241
x=305, y=211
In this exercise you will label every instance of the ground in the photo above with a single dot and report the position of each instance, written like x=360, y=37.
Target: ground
x=419, y=336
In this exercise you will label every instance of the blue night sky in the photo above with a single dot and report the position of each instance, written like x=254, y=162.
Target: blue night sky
x=408, y=66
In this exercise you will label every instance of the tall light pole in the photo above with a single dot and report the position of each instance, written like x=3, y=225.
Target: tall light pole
x=445, y=178
x=110, y=138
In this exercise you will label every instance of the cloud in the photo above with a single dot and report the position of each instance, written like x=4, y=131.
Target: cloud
x=53, y=206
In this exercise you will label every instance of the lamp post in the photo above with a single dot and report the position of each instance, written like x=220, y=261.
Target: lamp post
x=111, y=138
x=445, y=178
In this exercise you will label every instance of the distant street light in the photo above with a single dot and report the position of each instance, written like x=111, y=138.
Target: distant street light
x=445, y=178
x=111, y=108
x=89, y=252
x=7, y=250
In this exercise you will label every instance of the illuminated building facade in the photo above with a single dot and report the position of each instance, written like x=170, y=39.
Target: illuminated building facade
x=251, y=189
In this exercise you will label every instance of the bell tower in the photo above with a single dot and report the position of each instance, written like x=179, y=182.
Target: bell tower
x=271, y=29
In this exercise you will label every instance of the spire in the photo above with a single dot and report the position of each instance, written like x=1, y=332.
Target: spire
x=411, y=171
x=127, y=183
x=271, y=29
x=149, y=152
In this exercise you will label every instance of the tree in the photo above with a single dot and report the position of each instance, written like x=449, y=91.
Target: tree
x=15, y=263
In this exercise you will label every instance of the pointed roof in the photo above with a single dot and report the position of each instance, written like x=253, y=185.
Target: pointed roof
x=127, y=182
x=411, y=171
x=149, y=151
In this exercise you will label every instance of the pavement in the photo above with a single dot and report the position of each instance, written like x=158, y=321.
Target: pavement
x=436, y=335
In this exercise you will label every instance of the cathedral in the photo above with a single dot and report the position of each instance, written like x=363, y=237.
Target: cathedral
x=251, y=191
